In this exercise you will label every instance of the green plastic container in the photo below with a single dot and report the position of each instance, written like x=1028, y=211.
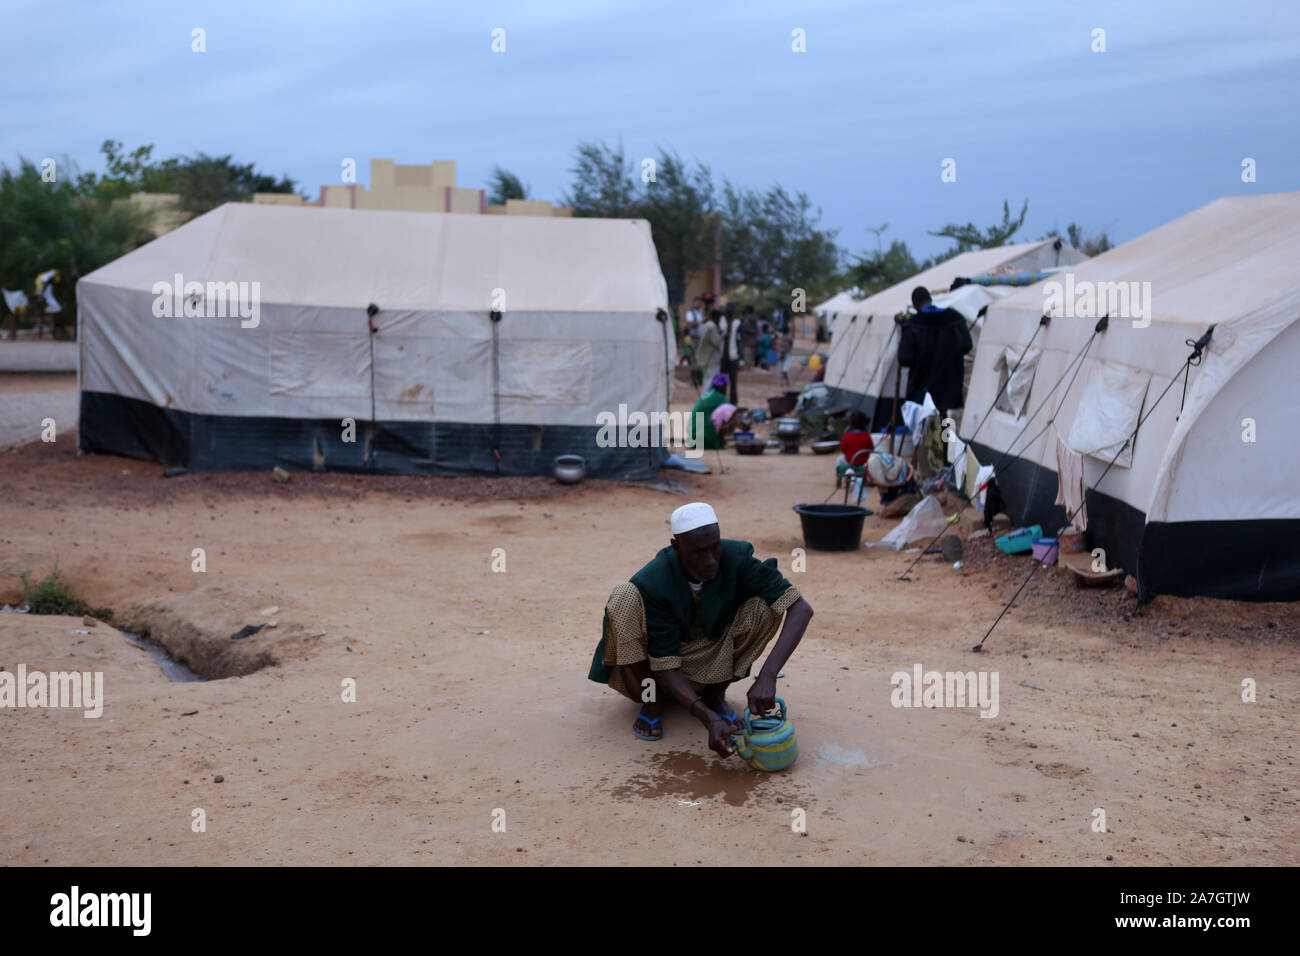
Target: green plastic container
x=1020, y=540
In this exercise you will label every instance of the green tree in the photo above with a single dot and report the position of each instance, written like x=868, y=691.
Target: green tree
x=883, y=268
x=603, y=184
x=1091, y=245
x=677, y=201
x=970, y=236
x=679, y=205
x=804, y=256
x=205, y=182
x=772, y=244
x=67, y=225
x=770, y=241
x=504, y=185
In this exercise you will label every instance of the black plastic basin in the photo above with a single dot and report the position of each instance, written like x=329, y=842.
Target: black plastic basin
x=832, y=527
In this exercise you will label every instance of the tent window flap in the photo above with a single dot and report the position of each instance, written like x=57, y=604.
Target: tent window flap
x=1108, y=412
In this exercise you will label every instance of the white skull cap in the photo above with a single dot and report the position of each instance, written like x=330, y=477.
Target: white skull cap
x=697, y=514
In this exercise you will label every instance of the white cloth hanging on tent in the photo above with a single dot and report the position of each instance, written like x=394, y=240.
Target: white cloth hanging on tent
x=967, y=470
x=1071, y=491
x=14, y=300
x=982, y=478
x=915, y=416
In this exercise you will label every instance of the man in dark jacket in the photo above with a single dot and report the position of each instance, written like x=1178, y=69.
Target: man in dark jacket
x=931, y=345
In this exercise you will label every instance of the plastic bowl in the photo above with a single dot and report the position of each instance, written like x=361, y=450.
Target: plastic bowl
x=1045, y=550
x=779, y=405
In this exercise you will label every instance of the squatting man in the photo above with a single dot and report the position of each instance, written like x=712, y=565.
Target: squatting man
x=693, y=621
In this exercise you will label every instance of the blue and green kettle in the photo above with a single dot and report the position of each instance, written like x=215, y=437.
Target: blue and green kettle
x=768, y=743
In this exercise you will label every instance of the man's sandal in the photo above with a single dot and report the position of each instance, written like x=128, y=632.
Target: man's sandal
x=652, y=723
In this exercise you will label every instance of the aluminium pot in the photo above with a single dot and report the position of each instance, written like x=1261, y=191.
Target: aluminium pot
x=570, y=469
x=789, y=428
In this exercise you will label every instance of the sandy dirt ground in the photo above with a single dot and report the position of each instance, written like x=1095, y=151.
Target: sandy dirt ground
x=29, y=400
x=472, y=697
x=38, y=355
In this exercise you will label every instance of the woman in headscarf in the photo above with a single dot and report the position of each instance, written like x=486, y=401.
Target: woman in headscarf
x=704, y=412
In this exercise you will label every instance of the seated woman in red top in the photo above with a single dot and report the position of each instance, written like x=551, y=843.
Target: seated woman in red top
x=855, y=440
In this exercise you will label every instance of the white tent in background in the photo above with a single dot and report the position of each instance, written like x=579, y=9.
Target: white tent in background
x=861, y=368
x=1207, y=499
x=498, y=341
x=827, y=311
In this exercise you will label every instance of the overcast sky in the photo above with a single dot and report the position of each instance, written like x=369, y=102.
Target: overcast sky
x=1124, y=140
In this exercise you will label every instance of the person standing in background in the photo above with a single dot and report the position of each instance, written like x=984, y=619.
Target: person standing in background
x=731, y=349
x=749, y=336
x=931, y=346
x=695, y=318
x=708, y=355
x=784, y=346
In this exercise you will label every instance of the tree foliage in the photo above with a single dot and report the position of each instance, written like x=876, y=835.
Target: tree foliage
x=203, y=182
x=1091, y=245
x=770, y=241
x=68, y=224
x=504, y=185
x=882, y=268
x=679, y=205
x=603, y=184
x=970, y=236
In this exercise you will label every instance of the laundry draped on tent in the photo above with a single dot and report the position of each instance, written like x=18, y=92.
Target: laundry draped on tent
x=1205, y=500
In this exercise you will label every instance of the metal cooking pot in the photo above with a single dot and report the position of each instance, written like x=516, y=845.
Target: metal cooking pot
x=570, y=469
x=788, y=428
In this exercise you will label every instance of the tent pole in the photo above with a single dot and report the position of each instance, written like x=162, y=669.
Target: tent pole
x=371, y=311
x=893, y=417
x=495, y=317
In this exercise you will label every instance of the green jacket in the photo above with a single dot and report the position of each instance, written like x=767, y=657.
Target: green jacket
x=670, y=603
x=707, y=403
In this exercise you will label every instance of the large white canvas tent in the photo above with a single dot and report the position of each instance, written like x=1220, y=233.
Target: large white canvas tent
x=840, y=301
x=1207, y=498
x=497, y=342
x=862, y=371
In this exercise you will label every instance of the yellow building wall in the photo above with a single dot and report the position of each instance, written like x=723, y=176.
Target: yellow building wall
x=340, y=197
x=162, y=209
x=466, y=200
x=407, y=187
x=403, y=187
x=278, y=199
x=528, y=207
x=531, y=207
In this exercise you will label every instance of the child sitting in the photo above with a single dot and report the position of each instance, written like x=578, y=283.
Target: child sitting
x=856, y=439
